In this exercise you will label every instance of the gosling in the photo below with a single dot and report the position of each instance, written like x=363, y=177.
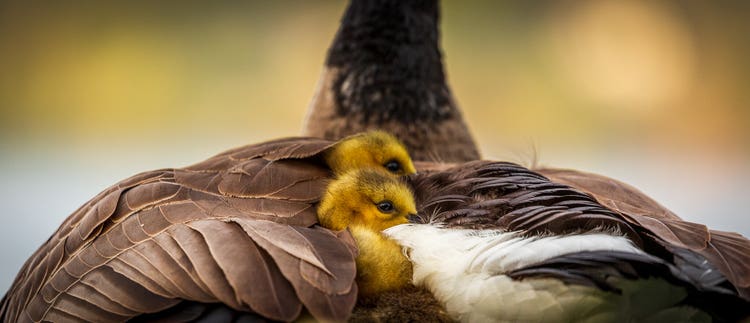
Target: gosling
x=374, y=149
x=368, y=201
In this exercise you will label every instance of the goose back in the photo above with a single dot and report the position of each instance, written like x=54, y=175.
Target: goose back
x=509, y=197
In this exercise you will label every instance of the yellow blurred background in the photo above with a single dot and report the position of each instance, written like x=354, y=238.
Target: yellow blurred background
x=655, y=93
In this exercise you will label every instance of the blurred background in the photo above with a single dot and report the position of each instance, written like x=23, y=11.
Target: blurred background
x=654, y=93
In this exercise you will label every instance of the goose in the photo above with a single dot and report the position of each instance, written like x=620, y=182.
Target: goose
x=607, y=206
x=238, y=230
x=622, y=231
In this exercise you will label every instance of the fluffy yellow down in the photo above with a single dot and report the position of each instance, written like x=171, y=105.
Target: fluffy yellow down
x=368, y=201
x=374, y=149
x=381, y=264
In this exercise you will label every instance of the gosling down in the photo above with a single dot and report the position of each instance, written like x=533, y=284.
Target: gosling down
x=368, y=201
x=232, y=237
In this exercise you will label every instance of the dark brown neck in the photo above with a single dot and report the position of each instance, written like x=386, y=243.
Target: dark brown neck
x=384, y=70
x=391, y=68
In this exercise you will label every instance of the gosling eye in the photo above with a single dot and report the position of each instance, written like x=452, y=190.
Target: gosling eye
x=393, y=166
x=386, y=207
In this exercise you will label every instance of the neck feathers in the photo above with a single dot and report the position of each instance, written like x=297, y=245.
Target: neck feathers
x=384, y=71
x=389, y=62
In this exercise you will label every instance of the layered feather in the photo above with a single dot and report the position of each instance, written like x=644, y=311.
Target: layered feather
x=702, y=286
x=728, y=251
x=496, y=276
x=238, y=228
x=508, y=197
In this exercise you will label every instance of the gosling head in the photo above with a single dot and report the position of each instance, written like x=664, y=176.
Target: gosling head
x=374, y=149
x=367, y=198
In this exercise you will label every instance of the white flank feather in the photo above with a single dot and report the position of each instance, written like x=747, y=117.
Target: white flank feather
x=465, y=269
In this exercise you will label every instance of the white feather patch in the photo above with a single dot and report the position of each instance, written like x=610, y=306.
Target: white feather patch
x=465, y=269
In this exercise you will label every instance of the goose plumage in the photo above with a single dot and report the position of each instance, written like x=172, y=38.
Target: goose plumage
x=384, y=71
x=510, y=209
x=461, y=193
x=163, y=235
x=238, y=229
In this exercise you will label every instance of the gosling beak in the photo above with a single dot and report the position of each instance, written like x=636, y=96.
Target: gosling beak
x=410, y=169
x=413, y=218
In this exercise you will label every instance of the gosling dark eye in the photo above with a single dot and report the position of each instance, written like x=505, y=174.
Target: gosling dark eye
x=386, y=207
x=393, y=166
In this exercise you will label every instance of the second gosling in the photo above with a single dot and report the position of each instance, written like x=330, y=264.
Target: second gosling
x=368, y=201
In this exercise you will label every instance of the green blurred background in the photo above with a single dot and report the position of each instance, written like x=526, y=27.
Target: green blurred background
x=654, y=93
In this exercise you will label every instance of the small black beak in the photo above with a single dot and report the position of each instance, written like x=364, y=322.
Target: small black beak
x=413, y=218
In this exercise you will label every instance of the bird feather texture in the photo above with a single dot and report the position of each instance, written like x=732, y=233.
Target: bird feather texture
x=238, y=228
x=728, y=251
x=505, y=196
x=468, y=271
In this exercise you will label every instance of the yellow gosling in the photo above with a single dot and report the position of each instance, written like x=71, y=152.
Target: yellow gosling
x=368, y=201
x=381, y=264
x=374, y=149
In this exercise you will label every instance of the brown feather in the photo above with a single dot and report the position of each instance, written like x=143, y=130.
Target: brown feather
x=487, y=194
x=728, y=251
x=314, y=261
x=217, y=231
x=612, y=193
x=259, y=284
x=386, y=72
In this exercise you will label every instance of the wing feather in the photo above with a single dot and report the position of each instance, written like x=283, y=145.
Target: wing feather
x=331, y=297
x=260, y=285
x=234, y=229
x=182, y=269
x=486, y=194
x=727, y=251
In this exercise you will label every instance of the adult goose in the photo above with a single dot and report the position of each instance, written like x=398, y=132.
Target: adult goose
x=173, y=233
x=384, y=70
